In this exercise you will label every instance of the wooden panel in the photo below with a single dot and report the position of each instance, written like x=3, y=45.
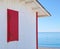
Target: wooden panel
x=12, y=25
x=36, y=30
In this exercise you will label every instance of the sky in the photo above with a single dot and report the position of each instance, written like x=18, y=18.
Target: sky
x=51, y=23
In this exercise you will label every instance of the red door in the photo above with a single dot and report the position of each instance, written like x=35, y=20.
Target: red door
x=12, y=25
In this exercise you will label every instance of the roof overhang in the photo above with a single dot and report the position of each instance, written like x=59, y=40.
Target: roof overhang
x=36, y=6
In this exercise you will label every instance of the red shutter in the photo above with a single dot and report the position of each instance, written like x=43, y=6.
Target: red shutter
x=12, y=25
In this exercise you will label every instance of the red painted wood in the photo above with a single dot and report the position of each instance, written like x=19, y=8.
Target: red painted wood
x=12, y=25
x=36, y=30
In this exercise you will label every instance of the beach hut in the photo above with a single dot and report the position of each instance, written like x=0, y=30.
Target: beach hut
x=19, y=23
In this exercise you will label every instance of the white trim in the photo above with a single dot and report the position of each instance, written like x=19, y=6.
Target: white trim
x=35, y=6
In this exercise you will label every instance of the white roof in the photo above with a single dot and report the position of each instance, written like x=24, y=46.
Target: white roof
x=36, y=6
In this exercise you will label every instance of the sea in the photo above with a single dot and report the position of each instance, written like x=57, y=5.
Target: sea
x=49, y=39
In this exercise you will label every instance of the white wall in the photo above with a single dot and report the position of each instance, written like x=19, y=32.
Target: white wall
x=27, y=27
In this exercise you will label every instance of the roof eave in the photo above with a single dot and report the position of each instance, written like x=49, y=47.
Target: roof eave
x=36, y=6
x=44, y=9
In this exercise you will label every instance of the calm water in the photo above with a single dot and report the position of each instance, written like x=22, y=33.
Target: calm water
x=49, y=39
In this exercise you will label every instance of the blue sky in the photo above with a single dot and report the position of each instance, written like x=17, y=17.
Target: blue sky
x=52, y=23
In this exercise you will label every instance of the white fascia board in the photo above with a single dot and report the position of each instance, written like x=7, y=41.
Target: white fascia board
x=36, y=6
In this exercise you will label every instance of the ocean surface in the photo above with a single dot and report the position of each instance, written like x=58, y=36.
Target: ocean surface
x=49, y=39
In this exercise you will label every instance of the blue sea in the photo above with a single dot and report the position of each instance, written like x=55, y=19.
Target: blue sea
x=49, y=39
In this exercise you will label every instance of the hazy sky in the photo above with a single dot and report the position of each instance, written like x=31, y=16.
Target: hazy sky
x=52, y=23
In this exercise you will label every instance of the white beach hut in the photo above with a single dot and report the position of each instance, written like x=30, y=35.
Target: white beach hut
x=19, y=23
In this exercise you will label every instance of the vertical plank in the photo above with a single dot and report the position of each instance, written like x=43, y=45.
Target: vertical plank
x=36, y=30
